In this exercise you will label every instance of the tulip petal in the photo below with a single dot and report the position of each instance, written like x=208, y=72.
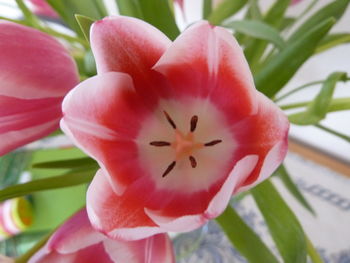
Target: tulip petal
x=157, y=248
x=33, y=64
x=13, y=139
x=267, y=137
x=18, y=114
x=103, y=116
x=129, y=45
x=75, y=234
x=207, y=62
x=217, y=205
x=91, y=254
x=117, y=216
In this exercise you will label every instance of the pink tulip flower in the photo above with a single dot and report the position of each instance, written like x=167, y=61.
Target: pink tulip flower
x=77, y=242
x=41, y=7
x=176, y=128
x=36, y=72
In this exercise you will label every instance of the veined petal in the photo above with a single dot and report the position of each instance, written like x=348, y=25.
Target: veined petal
x=216, y=206
x=154, y=249
x=17, y=114
x=33, y=64
x=13, y=139
x=207, y=62
x=75, y=234
x=264, y=134
x=120, y=217
x=129, y=45
x=103, y=115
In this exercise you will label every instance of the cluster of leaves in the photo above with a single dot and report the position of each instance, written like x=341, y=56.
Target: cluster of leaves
x=275, y=46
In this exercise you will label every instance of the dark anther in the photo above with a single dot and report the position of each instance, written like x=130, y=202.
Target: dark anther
x=172, y=123
x=212, y=143
x=160, y=143
x=193, y=161
x=168, y=170
x=194, y=121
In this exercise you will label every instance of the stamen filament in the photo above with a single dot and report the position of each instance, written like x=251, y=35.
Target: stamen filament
x=172, y=123
x=194, y=121
x=212, y=143
x=160, y=143
x=193, y=162
x=170, y=167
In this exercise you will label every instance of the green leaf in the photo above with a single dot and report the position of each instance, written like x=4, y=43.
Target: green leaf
x=225, y=9
x=12, y=165
x=67, y=9
x=319, y=107
x=274, y=18
x=254, y=10
x=335, y=10
x=28, y=15
x=207, y=8
x=335, y=133
x=67, y=164
x=156, y=12
x=284, y=64
x=85, y=24
x=259, y=30
x=69, y=179
x=338, y=104
x=314, y=256
x=129, y=8
x=159, y=14
x=90, y=64
x=283, y=225
x=243, y=238
x=332, y=40
x=292, y=188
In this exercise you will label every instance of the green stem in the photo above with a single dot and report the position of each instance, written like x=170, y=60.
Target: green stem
x=69, y=38
x=331, y=131
x=306, y=10
x=13, y=20
x=338, y=104
x=298, y=89
x=303, y=87
x=28, y=15
x=314, y=256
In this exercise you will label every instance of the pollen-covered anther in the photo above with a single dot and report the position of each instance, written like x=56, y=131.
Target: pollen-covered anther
x=194, y=121
x=212, y=143
x=193, y=161
x=160, y=143
x=170, y=120
x=169, y=169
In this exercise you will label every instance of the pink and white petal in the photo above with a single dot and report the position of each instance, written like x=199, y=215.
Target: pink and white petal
x=75, y=234
x=91, y=254
x=206, y=61
x=241, y=171
x=129, y=45
x=216, y=206
x=176, y=224
x=17, y=114
x=120, y=217
x=14, y=139
x=103, y=115
x=264, y=134
x=45, y=256
x=46, y=69
x=156, y=248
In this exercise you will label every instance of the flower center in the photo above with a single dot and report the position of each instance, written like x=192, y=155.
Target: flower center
x=187, y=148
x=184, y=145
